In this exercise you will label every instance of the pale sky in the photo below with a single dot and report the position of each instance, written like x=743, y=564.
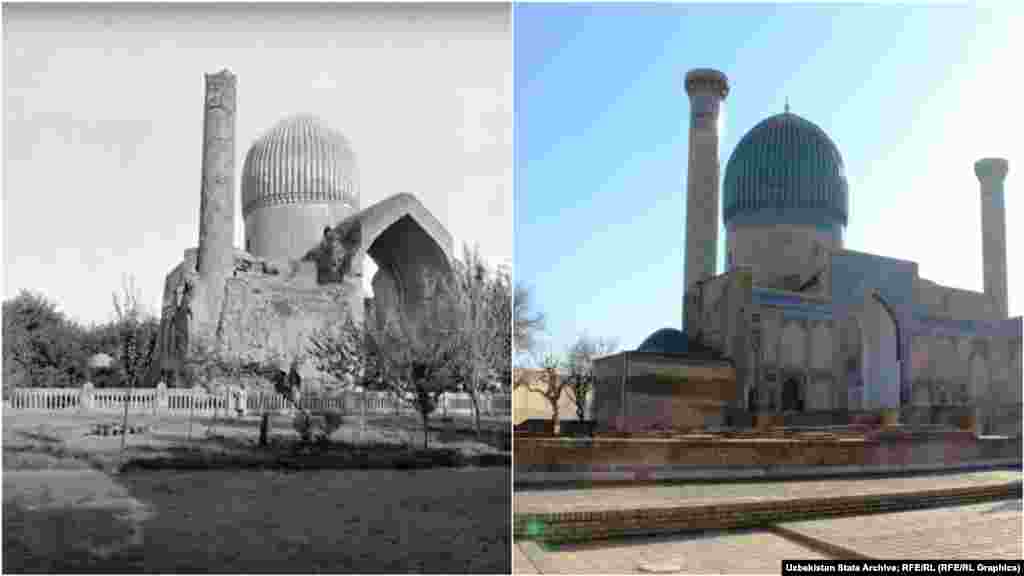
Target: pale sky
x=103, y=125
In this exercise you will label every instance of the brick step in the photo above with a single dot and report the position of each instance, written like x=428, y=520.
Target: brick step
x=606, y=524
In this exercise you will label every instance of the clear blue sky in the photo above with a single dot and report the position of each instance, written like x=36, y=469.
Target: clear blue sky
x=912, y=96
x=103, y=125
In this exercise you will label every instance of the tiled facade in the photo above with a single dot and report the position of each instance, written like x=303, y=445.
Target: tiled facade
x=811, y=326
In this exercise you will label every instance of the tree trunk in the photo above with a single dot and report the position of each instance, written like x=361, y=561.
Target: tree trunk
x=554, y=418
x=362, y=424
x=124, y=421
x=191, y=410
x=426, y=429
x=476, y=403
x=265, y=429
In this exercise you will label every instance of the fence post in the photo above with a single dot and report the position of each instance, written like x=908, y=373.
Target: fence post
x=160, y=402
x=85, y=397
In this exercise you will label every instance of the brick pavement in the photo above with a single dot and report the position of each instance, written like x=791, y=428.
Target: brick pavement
x=990, y=530
x=521, y=564
x=661, y=496
x=753, y=552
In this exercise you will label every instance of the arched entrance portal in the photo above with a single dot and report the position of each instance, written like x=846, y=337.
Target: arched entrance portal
x=881, y=355
x=408, y=245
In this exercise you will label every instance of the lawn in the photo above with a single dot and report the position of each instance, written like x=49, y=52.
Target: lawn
x=367, y=521
x=63, y=440
x=69, y=508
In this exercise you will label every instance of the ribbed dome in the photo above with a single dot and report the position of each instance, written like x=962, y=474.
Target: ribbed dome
x=299, y=161
x=786, y=170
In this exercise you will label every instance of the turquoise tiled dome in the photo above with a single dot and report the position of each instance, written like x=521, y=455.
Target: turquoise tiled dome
x=675, y=341
x=785, y=170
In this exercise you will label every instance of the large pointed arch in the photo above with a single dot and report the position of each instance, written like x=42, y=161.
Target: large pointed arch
x=408, y=244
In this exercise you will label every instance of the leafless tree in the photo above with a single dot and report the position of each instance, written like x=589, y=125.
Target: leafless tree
x=482, y=298
x=421, y=355
x=130, y=314
x=580, y=369
x=549, y=383
x=527, y=321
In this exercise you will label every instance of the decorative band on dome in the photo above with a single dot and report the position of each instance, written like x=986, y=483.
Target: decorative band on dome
x=283, y=198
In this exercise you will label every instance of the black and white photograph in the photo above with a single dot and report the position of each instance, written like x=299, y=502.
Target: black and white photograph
x=257, y=309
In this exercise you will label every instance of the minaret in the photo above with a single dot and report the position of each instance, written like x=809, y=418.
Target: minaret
x=217, y=193
x=706, y=89
x=991, y=173
x=215, y=257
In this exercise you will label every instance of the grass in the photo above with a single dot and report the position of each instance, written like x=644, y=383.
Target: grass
x=270, y=522
x=220, y=504
x=54, y=441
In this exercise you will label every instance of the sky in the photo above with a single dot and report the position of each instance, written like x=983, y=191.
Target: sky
x=103, y=126
x=912, y=96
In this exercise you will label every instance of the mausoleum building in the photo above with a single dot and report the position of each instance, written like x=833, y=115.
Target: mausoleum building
x=306, y=237
x=814, y=330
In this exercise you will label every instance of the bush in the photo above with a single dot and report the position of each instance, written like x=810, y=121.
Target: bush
x=317, y=426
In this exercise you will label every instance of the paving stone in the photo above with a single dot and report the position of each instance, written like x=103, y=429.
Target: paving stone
x=521, y=564
x=757, y=552
x=991, y=530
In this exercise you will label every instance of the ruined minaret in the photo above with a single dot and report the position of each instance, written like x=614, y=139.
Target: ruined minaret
x=217, y=197
x=217, y=200
x=706, y=89
x=991, y=173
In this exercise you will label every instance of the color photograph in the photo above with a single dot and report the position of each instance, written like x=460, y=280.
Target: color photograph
x=768, y=286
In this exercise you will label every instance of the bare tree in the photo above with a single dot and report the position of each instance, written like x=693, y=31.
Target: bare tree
x=550, y=384
x=527, y=321
x=422, y=355
x=129, y=313
x=502, y=303
x=480, y=294
x=580, y=368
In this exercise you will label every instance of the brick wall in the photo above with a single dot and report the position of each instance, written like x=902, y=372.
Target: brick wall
x=536, y=454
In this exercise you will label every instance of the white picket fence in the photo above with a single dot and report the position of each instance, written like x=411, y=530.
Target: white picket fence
x=184, y=401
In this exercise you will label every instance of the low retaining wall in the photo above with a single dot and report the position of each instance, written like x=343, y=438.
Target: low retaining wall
x=607, y=459
x=633, y=475
x=591, y=525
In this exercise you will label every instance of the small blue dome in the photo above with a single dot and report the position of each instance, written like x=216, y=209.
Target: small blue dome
x=666, y=341
x=786, y=170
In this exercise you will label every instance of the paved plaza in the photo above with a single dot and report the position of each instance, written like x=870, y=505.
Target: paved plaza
x=991, y=530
